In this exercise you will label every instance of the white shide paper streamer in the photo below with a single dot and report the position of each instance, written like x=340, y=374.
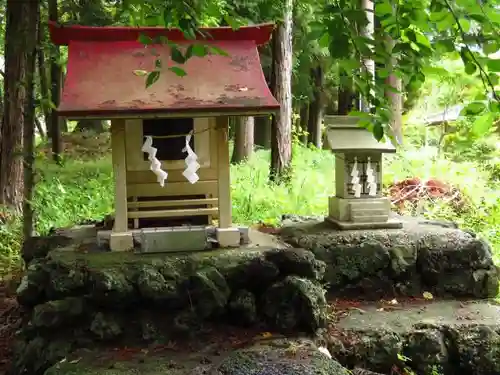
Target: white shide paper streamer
x=356, y=186
x=370, y=179
x=148, y=148
x=192, y=164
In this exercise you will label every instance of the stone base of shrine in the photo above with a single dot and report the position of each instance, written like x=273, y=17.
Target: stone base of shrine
x=357, y=213
x=76, y=294
x=422, y=256
x=349, y=225
x=177, y=239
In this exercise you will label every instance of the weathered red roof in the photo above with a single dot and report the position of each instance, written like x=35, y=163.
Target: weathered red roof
x=102, y=79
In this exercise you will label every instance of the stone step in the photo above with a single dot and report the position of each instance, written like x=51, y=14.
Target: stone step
x=369, y=212
x=368, y=203
x=369, y=218
x=447, y=336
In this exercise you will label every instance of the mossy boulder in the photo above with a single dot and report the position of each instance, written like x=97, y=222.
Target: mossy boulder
x=112, y=286
x=242, y=308
x=54, y=314
x=295, y=304
x=428, y=350
x=478, y=349
x=105, y=326
x=65, y=281
x=39, y=247
x=207, y=292
x=298, y=262
x=37, y=355
x=31, y=290
x=419, y=257
x=280, y=357
x=153, y=286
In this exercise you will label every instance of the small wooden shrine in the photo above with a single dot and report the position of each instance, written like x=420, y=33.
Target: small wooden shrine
x=358, y=202
x=169, y=141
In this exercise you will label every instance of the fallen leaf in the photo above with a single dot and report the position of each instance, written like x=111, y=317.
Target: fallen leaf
x=140, y=73
x=428, y=295
x=75, y=361
x=266, y=335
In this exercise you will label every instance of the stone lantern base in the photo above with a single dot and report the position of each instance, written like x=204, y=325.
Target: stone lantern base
x=371, y=213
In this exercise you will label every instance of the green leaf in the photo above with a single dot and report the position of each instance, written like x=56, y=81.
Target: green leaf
x=465, y=24
x=423, y=40
x=473, y=108
x=198, y=50
x=177, y=55
x=359, y=114
x=217, y=51
x=483, y=124
x=446, y=45
x=446, y=23
x=490, y=47
x=494, y=107
x=324, y=41
x=158, y=63
x=378, y=131
x=232, y=22
x=144, y=39
x=152, y=78
x=493, y=65
x=178, y=71
x=383, y=9
x=383, y=73
x=470, y=68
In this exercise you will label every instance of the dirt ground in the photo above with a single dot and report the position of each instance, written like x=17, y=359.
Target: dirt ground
x=10, y=319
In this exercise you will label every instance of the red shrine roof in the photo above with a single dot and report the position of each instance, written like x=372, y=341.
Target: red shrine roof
x=102, y=79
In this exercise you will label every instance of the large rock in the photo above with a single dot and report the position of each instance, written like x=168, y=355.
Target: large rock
x=445, y=337
x=295, y=304
x=54, y=314
x=298, y=262
x=279, y=357
x=153, y=286
x=31, y=290
x=37, y=355
x=111, y=287
x=39, y=247
x=207, y=292
x=105, y=327
x=380, y=263
x=242, y=308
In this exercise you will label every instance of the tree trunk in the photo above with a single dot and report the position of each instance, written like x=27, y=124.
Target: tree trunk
x=316, y=108
x=42, y=74
x=281, y=136
x=262, y=132
x=304, y=121
x=243, y=139
x=368, y=32
x=345, y=97
x=20, y=44
x=395, y=100
x=29, y=119
x=55, y=93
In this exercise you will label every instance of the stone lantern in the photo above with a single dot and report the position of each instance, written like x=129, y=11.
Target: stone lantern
x=358, y=202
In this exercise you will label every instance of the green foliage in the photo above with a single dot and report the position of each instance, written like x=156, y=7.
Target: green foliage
x=420, y=30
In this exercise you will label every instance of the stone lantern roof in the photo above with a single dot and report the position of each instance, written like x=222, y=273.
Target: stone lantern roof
x=344, y=135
